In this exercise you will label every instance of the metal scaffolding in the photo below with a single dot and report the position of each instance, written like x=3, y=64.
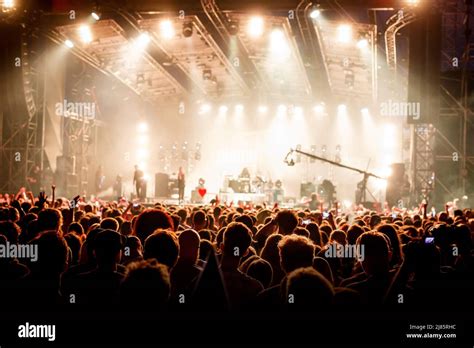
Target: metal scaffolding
x=21, y=148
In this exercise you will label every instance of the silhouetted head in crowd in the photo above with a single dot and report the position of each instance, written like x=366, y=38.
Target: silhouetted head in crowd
x=74, y=243
x=295, y=252
x=76, y=228
x=163, y=246
x=107, y=246
x=376, y=253
x=52, y=258
x=10, y=230
x=133, y=248
x=183, y=215
x=237, y=240
x=149, y=221
x=307, y=289
x=205, y=248
x=199, y=220
x=205, y=234
x=322, y=266
x=126, y=228
x=49, y=220
x=391, y=232
x=189, y=242
x=146, y=283
x=422, y=258
x=314, y=233
x=353, y=233
x=246, y=220
x=287, y=222
x=261, y=270
x=109, y=224
x=338, y=236
x=301, y=231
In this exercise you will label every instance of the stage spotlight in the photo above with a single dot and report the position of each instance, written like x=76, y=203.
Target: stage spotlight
x=8, y=5
x=223, y=109
x=315, y=13
x=381, y=184
x=279, y=45
x=365, y=112
x=341, y=109
x=142, y=165
x=387, y=172
x=298, y=111
x=255, y=27
x=69, y=43
x=142, y=140
x=143, y=40
x=277, y=35
x=319, y=109
x=389, y=136
x=233, y=28
x=205, y=108
x=85, y=34
x=262, y=109
x=95, y=15
x=142, y=127
x=143, y=153
x=362, y=43
x=239, y=108
x=188, y=29
x=412, y=2
x=281, y=109
x=167, y=29
x=344, y=33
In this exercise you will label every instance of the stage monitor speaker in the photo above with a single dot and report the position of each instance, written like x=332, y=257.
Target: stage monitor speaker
x=395, y=184
x=424, y=69
x=162, y=185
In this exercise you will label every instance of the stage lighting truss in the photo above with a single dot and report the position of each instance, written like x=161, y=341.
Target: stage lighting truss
x=8, y=5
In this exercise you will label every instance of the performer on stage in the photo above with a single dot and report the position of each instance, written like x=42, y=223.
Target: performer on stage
x=99, y=180
x=181, y=184
x=139, y=181
x=34, y=180
x=118, y=186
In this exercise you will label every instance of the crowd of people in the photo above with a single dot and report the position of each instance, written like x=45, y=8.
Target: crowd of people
x=242, y=258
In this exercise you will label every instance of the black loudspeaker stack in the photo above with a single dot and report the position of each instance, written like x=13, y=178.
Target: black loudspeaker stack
x=162, y=185
x=395, y=184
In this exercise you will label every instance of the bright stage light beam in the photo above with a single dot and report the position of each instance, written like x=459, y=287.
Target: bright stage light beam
x=344, y=33
x=69, y=43
x=314, y=14
x=262, y=109
x=412, y=2
x=8, y=4
x=205, y=108
x=223, y=109
x=239, y=108
x=85, y=34
x=95, y=15
x=142, y=140
x=143, y=153
x=319, y=109
x=142, y=127
x=167, y=29
x=255, y=27
x=279, y=45
x=143, y=40
x=362, y=44
x=341, y=109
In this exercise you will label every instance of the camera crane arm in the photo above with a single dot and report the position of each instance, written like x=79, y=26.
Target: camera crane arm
x=366, y=174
